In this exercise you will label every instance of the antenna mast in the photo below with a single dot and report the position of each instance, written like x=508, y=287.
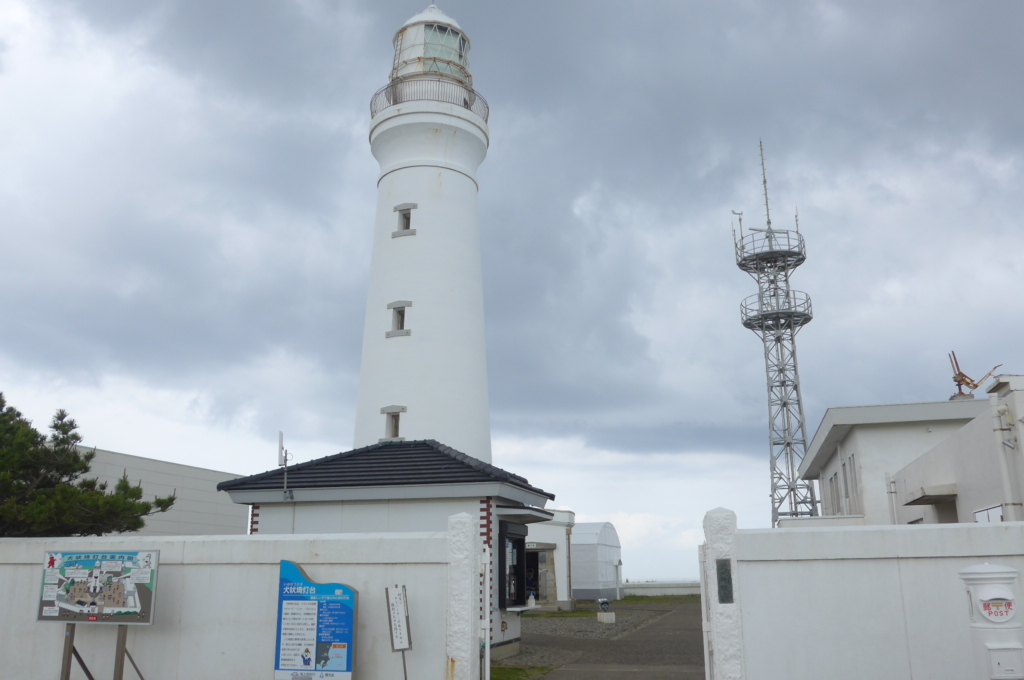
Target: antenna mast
x=764, y=181
x=776, y=313
x=282, y=461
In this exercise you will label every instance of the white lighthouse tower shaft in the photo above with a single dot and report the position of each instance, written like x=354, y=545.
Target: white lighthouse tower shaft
x=424, y=368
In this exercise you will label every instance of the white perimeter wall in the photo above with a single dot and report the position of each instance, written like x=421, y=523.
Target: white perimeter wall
x=199, y=509
x=655, y=588
x=850, y=603
x=216, y=604
x=394, y=516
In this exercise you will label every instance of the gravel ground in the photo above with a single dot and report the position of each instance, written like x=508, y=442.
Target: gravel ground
x=540, y=656
x=656, y=636
x=625, y=622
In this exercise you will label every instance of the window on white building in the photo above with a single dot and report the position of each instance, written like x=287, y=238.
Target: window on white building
x=837, y=495
x=989, y=515
x=854, y=488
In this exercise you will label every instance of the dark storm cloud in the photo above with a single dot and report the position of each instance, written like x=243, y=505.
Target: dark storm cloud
x=622, y=135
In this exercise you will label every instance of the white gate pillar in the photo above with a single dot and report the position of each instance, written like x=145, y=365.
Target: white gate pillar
x=463, y=660
x=721, y=588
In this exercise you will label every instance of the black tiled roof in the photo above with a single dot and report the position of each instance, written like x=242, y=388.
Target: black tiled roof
x=386, y=464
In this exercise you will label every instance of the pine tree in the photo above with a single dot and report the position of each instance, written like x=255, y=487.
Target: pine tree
x=43, y=491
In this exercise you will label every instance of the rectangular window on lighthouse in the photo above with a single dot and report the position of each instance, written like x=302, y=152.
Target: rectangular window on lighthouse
x=392, y=415
x=398, y=328
x=404, y=211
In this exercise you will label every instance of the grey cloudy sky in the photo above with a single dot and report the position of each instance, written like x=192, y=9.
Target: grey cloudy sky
x=187, y=196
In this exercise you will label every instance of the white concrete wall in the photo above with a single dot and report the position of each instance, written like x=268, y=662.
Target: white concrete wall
x=393, y=516
x=822, y=521
x=655, y=588
x=362, y=516
x=428, y=154
x=848, y=602
x=199, y=509
x=216, y=604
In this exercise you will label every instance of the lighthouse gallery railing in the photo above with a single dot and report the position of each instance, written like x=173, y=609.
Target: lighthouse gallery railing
x=426, y=89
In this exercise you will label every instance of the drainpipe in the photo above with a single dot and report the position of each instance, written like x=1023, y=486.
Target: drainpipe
x=1003, y=450
x=890, y=489
x=486, y=675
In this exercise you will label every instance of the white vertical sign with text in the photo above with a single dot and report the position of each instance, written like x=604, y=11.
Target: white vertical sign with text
x=398, y=616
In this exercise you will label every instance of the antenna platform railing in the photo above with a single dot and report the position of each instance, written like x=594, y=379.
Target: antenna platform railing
x=778, y=248
x=770, y=312
x=428, y=89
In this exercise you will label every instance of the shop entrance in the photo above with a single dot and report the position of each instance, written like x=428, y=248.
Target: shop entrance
x=540, y=572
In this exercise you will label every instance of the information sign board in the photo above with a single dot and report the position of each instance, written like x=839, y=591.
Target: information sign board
x=99, y=587
x=316, y=625
x=398, y=616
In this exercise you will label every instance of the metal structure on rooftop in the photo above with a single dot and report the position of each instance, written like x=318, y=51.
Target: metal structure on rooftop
x=776, y=313
x=961, y=379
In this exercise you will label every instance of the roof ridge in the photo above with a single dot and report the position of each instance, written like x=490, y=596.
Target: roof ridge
x=300, y=466
x=475, y=463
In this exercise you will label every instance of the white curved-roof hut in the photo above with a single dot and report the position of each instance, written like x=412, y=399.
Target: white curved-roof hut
x=596, y=561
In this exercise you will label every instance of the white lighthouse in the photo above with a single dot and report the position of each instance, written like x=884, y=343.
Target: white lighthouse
x=424, y=368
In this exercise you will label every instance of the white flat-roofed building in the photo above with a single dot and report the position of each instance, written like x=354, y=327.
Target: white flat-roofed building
x=932, y=463
x=857, y=448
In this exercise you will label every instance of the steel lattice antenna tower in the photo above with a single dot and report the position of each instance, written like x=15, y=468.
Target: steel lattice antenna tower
x=776, y=314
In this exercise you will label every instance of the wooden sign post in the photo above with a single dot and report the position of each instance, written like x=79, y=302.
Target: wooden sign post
x=398, y=617
x=69, y=646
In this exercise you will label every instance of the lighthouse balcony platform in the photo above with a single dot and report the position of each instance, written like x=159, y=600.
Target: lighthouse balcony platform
x=429, y=89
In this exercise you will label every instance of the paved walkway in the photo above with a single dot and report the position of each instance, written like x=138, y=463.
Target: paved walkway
x=669, y=648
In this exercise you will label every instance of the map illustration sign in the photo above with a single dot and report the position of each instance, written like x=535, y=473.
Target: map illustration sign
x=116, y=587
x=316, y=626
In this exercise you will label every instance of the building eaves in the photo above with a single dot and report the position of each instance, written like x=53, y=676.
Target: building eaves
x=839, y=420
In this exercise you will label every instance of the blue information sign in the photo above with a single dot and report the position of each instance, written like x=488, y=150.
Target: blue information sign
x=316, y=626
